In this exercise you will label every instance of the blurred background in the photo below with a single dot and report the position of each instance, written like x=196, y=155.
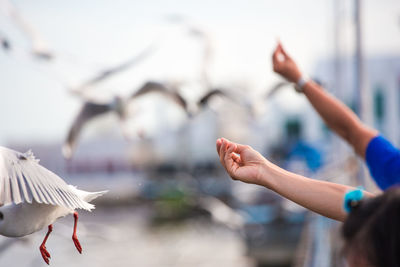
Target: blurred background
x=130, y=96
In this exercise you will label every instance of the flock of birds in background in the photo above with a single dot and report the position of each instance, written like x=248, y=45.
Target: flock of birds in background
x=94, y=107
x=32, y=197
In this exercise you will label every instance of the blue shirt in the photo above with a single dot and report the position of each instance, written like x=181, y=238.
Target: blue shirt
x=383, y=161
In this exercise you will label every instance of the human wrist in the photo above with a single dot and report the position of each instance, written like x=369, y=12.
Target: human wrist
x=296, y=76
x=301, y=82
x=266, y=178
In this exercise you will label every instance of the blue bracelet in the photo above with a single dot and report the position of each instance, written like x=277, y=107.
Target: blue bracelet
x=352, y=198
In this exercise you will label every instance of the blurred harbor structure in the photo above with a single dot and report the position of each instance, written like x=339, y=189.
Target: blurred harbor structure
x=383, y=83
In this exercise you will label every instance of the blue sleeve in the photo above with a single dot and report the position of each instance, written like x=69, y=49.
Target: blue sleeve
x=383, y=161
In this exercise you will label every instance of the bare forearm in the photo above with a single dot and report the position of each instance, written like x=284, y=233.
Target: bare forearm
x=336, y=115
x=340, y=118
x=322, y=197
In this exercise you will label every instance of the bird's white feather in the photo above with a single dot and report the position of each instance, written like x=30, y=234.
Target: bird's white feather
x=22, y=179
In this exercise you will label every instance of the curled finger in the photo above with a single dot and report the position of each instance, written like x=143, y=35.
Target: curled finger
x=218, y=145
x=222, y=151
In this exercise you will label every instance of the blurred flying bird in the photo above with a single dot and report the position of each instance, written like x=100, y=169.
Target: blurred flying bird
x=5, y=43
x=275, y=88
x=172, y=93
x=259, y=104
x=107, y=73
x=89, y=111
x=39, y=47
x=213, y=97
x=207, y=53
x=212, y=92
x=222, y=213
x=206, y=99
x=279, y=85
x=32, y=197
x=204, y=36
x=118, y=105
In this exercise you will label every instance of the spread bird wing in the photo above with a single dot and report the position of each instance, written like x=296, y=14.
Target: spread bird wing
x=88, y=112
x=23, y=179
x=39, y=46
x=227, y=94
x=150, y=87
x=105, y=74
x=202, y=102
x=208, y=52
x=276, y=88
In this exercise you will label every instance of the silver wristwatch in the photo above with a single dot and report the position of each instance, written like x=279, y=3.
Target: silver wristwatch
x=299, y=86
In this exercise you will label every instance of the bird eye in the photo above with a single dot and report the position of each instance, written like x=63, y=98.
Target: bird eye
x=1, y=216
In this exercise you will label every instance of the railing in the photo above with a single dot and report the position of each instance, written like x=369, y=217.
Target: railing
x=320, y=244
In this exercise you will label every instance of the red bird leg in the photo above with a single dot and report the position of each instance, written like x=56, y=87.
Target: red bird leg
x=74, y=237
x=43, y=250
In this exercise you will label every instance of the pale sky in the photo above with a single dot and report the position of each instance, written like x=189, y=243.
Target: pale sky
x=87, y=36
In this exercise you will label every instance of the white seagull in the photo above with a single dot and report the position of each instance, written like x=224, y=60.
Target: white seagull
x=113, y=70
x=118, y=105
x=32, y=197
x=39, y=47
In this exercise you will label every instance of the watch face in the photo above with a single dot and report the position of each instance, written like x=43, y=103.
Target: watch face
x=298, y=88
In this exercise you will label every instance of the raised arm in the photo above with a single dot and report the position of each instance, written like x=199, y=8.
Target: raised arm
x=336, y=115
x=247, y=165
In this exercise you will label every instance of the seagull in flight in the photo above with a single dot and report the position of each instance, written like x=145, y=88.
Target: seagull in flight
x=5, y=43
x=32, y=197
x=279, y=85
x=109, y=72
x=259, y=104
x=225, y=94
x=197, y=31
x=118, y=105
x=207, y=98
x=39, y=47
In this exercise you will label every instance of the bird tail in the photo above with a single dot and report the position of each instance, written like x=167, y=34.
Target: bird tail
x=87, y=196
x=92, y=195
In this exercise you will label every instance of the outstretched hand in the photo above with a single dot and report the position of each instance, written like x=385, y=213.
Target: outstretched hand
x=284, y=65
x=241, y=162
